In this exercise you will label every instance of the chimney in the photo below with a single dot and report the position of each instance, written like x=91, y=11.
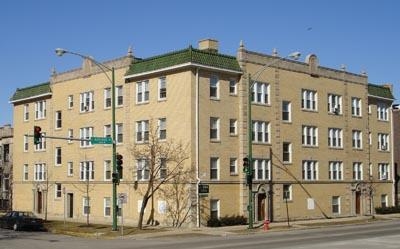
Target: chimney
x=209, y=45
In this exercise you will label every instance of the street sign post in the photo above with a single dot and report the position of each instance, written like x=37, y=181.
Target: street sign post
x=101, y=140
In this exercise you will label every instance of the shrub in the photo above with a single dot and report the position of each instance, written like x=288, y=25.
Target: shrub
x=227, y=221
x=387, y=210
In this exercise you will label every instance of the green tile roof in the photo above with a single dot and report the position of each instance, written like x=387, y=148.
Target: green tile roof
x=189, y=55
x=30, y=92
x=380, y=91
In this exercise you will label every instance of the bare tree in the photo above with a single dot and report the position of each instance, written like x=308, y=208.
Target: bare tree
x=162, y=161
x=177, y=198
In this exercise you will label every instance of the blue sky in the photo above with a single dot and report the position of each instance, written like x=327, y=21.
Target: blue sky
x=363, y=35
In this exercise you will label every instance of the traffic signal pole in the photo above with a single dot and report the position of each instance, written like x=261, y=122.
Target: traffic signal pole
x=250, y=154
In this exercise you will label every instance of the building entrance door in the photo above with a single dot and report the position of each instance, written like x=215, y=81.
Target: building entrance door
x=70, y=205
x=358, y=202
x=39, y=202
x=261, y=199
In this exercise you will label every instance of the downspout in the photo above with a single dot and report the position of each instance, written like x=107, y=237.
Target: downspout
x=197, y=149
x=394, y=170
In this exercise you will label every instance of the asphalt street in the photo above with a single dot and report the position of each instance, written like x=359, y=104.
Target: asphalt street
x=382, y=235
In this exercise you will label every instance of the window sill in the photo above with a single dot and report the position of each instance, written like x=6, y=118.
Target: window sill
x=215, y=141
x=309, y=110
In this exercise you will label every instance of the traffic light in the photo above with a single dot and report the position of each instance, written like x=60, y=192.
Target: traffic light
x=37, y=134
x=119, y=158
x=246, y=165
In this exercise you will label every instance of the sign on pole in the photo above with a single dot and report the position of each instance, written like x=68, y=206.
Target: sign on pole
x=101, y=140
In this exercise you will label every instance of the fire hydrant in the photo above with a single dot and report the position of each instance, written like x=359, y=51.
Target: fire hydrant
x=266, y=225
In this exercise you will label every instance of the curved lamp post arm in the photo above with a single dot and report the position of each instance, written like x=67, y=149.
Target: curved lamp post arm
x=60, y=52
x=295, y=56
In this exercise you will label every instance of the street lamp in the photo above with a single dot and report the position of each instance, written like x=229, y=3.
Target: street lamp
x=293, y=56
x=104, y=69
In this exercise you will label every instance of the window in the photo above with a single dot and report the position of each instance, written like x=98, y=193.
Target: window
x=40, y=172
x=41, y=146
x=310, y=136
x=26, y=172
x=40, y=109
x=369, y=109
x=70, y=101
x=214, y=209
x=162, y=88
x=309, y=100
x=384, y=200
x=107, y=170
x=162, y=207
x=261, y=131
x=107, y=97
x=357, y=139
x=335, y=205
x=26, y=112
x=58, y=119
x=383, y=112
x=287, y=192
x=214, y=87
x=26, y=143
x=119, y=95
x=232, y=87
x=214, y=128
x=310, y=170
x=162, y=128
x=58, y=191
x=334, y=104
x=70, y=135
x=107, y=206
x=261, y=169
x=233, y=166
x=260, y=93
x=143, y=170
x=87, y=101
x=356, y=107
x=383, y=171
x=142, y=131
x=107, y=131
x=163, y=168
x=119, y=130
x=369, y=138
x=232, y=127
x=70, y=168
x=214, y=166
x=286, y=111
x=335, y=170
x=58, y=156
x=357, y=171
x=86, y=205
x=86, y=133
x=142, y=92
x=286, y=152
x=335, y=138
x=383, y=141
x=86, y=170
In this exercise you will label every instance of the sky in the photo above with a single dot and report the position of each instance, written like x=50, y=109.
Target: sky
x=364, y=35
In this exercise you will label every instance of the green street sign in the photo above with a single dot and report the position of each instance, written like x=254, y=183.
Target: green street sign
x=101, y=140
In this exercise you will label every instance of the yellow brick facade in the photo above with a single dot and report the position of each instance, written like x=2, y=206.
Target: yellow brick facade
x=188, y=109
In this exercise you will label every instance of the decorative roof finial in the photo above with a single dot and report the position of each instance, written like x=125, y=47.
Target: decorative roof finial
x=130, y=51
x=274, y=52
x=53, y=71
x=241, y=44
x=343, y=67
x=363, y=72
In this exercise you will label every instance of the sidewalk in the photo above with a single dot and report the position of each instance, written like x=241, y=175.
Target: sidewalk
x=173, y=233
